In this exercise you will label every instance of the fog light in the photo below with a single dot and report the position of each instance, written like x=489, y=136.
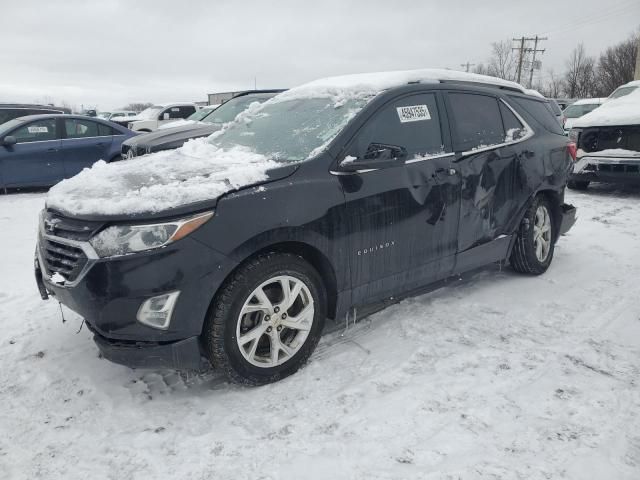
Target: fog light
x=156, y=311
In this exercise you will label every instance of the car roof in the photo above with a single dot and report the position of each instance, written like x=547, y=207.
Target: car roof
x=44, y=116
x=379, y=81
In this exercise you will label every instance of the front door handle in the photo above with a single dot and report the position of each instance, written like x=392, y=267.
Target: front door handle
x=446, y=171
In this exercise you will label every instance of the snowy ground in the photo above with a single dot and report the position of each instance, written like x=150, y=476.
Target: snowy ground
x=500, y=376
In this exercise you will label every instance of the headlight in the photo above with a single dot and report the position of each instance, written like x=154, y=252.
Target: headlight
x=126, y=239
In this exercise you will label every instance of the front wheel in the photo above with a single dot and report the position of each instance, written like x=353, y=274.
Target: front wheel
x=266, y=320
x=534, y=246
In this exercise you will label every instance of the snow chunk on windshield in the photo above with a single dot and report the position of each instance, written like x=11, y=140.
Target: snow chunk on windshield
x=618, y=111
x=194, y=172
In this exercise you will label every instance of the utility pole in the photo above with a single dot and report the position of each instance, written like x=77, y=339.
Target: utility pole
x=520, y=56
x=533, y=60
x=523, y=50
x=467, y=66
x=637, y=74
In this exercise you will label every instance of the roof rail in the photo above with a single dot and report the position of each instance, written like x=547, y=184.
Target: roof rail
x=489, y=85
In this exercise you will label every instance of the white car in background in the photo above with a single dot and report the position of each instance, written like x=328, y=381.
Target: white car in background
x=578, y=109
x=152, y=118
x=117, y=114
x=195, y=118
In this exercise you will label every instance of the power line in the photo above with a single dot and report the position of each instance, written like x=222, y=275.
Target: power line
x=523, y=50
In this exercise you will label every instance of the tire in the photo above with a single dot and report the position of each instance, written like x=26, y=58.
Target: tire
x=529, y=254
x=577, y=185
x=238, y=313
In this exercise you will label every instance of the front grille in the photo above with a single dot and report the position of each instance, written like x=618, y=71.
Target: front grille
x=612, y=168
x=59, y=226
x=62, y=258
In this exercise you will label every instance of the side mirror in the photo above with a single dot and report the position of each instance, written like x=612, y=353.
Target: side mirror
x=166, y=116
x=9, y=140
x=378, y=155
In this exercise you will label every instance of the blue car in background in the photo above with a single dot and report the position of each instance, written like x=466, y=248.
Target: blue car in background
x=41, y=150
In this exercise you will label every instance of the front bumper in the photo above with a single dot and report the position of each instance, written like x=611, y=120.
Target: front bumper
x=109, y=292
x=594, y=168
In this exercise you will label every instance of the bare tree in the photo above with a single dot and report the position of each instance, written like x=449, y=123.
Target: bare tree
x=554, y=86
x=503, y=62
x=137, y=106
x=616, y=65
x=580, y=78
x=481, y=69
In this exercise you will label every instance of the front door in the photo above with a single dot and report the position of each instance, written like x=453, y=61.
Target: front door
x=35, y=160
x=403, y=220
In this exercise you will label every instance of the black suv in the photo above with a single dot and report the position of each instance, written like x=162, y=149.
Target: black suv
x=9, y=111
x=371, y=188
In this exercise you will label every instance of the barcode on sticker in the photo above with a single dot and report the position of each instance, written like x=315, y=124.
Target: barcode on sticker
x=38, y=129
x=413, y=113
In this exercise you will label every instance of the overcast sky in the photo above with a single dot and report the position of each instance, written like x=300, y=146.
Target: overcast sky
x=107, y=53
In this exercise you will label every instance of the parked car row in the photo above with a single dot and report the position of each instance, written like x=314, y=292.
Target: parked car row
x=323, y=202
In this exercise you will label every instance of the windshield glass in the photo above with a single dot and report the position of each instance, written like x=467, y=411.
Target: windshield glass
x=200, y=114
x=289, y=130
x=150, y=113
x=7, y=126
x=575, y=111
x=231, y=108
x=621, y=92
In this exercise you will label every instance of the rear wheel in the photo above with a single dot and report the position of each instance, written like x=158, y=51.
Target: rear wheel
x=267, y=319
x=576, y=185
x=534, y=246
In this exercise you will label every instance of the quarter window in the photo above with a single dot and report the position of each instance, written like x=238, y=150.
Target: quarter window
x=39, y=131
x=411, y=122
x=105, y=130
x=80, y=128
x=477, y=120
x=512, y=126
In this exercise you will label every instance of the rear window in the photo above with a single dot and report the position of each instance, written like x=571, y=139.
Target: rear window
x=477, y=119
x=541, y=112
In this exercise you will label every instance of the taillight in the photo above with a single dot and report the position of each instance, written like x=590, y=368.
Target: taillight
x=573, y=150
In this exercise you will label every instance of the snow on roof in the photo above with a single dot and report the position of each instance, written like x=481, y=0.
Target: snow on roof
x=618, y=111
x=632, y=83
x=589, y=101
x=374, y=83
x=194, y=172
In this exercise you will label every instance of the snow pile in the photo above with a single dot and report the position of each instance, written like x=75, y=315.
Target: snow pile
x=194, y=172
x=178, y=123
x=618, y=111
x=615, y=152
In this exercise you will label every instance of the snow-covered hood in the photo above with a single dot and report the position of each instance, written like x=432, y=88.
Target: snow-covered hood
x=193, y=173
x=618, y=111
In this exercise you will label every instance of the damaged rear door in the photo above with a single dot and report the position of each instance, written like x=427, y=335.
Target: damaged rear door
x=484, y=129
x=403, y=220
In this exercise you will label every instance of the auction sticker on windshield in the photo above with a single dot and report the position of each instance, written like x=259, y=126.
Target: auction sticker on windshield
x=413, y=113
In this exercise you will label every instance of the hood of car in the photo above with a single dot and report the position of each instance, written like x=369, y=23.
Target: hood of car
x=164, y=183
x=168, y=136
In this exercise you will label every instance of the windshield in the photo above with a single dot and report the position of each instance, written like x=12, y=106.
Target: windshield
x=231, y=108
x=200, y=114
x=575, y=111
x=621, y=92
x=150, y=113
x=289, y=130
x=7, y=126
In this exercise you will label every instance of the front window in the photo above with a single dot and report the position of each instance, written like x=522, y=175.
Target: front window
x=621, y=92
x=150, y=113
x=231, y=108
x=289, y=129
x=39, y=131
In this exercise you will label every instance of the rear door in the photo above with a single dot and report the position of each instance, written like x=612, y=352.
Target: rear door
x=403, y=220
x=485, y=134
x=35, y=160
x=84, y=143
